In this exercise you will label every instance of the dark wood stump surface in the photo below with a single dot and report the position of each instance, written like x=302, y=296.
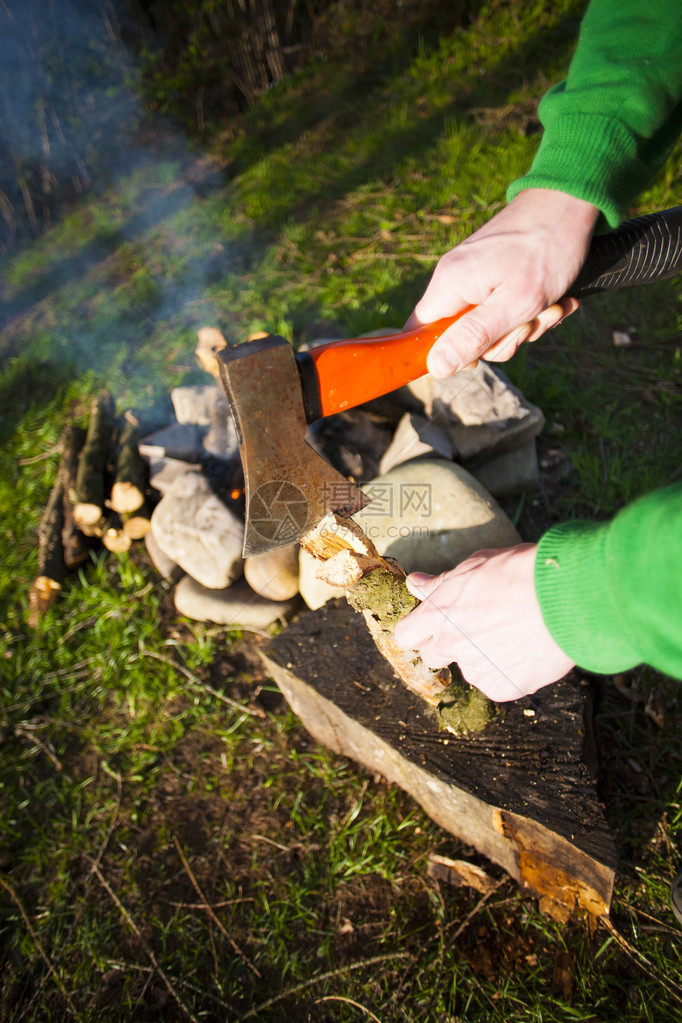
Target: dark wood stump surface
x=522, y=791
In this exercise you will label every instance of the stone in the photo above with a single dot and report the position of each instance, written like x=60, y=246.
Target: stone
x=510, y=473
x=165, y=566
x=482, y=411
x=274, y=575
x=431, y=514
x=352, y=441
x=237, y=605
x=178, y=440
x=163, y=472
x=195, y=404
x=221, y=439
x=195, y=529
x=415, y=437
x=314, y=591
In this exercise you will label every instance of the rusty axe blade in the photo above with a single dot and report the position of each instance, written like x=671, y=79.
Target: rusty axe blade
x=289, y=487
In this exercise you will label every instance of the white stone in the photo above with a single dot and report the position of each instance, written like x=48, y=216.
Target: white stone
x=430, y=514
x=237, y=605
x=274, y=574
x=415, y=437
x=163, y=472
x=164, y=565
x=195, y=529
x=195, y=404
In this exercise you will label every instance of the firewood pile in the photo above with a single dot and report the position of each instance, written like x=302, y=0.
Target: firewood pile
x=100, y=496
x=434, y=457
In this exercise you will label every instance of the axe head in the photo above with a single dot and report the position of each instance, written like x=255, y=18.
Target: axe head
x=289, y=487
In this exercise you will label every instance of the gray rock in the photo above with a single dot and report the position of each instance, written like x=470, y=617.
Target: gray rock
x=163, y=472
x=195, y=404
x=510, y=473
x=274, y=575
x=195, y=529
x=430, y=514
x=482, y=411
x=166, y=568
x=178, y=440
x=352, y=441
x=221, y=439
x=237, y=605
x=415, y=437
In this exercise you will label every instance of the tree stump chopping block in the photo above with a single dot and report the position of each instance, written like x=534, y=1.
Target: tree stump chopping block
x=520, y=792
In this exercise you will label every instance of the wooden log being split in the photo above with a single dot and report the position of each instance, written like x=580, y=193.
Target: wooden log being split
x=128, y=490
x=375, y=586
x=89, y=491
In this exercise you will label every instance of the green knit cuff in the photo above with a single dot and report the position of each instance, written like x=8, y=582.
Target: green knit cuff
x=578, y=607
x=601, y=175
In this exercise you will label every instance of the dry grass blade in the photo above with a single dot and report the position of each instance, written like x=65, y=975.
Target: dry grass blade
x=670, y=986
x=209, y=910
x=297, y=988
x=136, y=931
x=36, y=941
x=254, y=712
x=349, y=1001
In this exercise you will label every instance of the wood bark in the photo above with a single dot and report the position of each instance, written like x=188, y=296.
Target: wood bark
x=47, y=584
x=375, y=587
x=90, y=479
x=76, y=547
x=130, y=483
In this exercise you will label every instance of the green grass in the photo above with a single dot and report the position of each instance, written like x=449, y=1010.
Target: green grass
x=148, y=770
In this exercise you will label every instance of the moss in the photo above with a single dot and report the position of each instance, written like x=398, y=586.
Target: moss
x=465, y=709
x=386, y=594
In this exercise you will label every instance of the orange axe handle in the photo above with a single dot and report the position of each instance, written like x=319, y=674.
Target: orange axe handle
x=343, y=374
x=349, y=373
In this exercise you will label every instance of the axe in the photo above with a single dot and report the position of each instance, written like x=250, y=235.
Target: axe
x=275, y=394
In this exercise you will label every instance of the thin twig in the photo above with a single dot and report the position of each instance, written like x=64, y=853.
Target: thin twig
x=136, y=931
x=349, y=1001
x=322, y=977
x=197, y=889
x=38, y=945
x=26, y=732
x=206, y=906
x=255, y=712
x=671, y=987
x=41, y=457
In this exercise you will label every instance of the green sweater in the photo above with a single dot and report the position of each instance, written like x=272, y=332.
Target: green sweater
x=615, y=119
x=611, y=593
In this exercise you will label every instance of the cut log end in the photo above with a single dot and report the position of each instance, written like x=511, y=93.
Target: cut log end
x=42, y=595
x=88, y=518
x=126, y=497
x=117, y=541
x=136, y=526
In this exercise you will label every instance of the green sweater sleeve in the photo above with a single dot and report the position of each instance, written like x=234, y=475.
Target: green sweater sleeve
x=613, y=122
x=611, y=593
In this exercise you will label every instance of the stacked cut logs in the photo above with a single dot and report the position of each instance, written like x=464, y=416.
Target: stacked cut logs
x=100, y=495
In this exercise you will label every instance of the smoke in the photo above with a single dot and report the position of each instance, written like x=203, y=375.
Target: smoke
x=103, y=217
